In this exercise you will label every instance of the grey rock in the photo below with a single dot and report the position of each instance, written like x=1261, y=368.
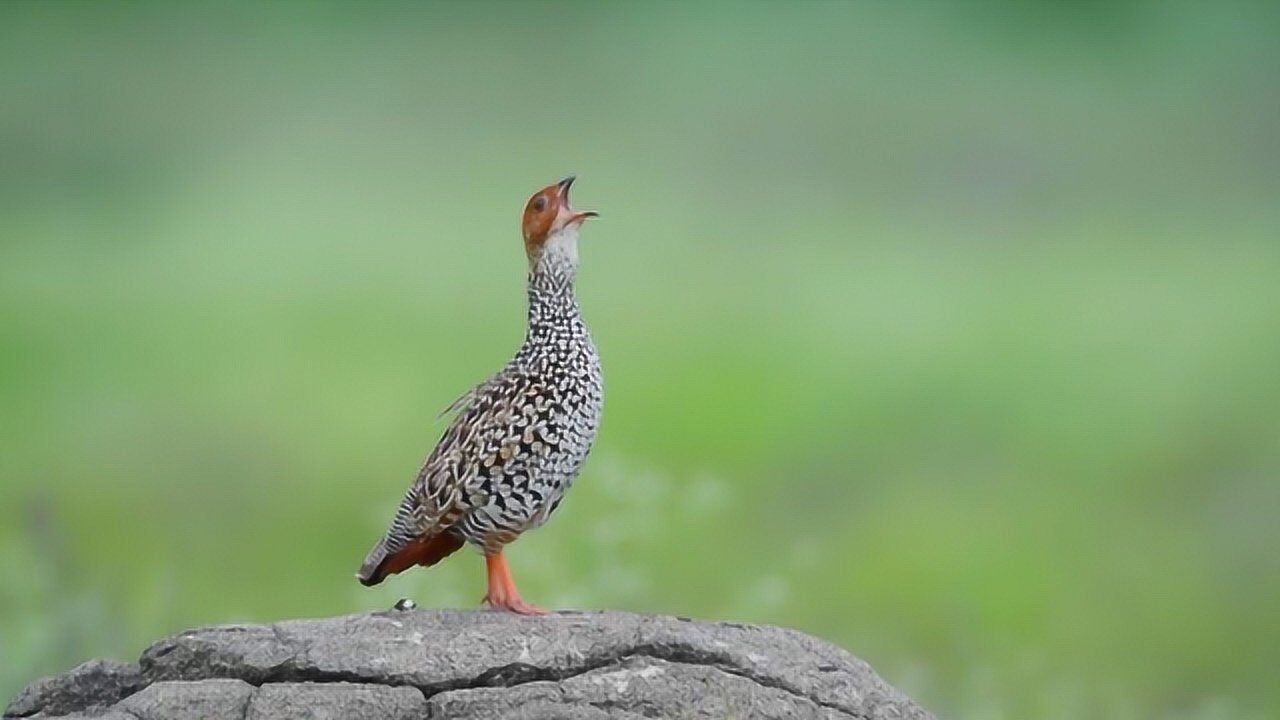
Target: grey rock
x=92, y=715
x=336, y=701
x=91, y=685
x=446, y=663
x=205, y=699
x=636, y=687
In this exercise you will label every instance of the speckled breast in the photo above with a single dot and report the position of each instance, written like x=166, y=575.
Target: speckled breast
x=559, y=394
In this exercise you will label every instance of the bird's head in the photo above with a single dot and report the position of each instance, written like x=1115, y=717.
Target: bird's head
x=550, y=226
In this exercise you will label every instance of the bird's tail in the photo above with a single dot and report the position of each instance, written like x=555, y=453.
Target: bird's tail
x=382, y=561
x=370, y=572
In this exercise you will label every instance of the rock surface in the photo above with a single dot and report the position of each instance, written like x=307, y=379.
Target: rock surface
x=457, y=664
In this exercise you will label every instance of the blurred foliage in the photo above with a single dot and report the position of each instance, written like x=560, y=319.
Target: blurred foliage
x=947, y=332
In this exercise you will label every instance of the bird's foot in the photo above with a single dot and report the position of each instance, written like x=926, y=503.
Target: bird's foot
x=512, y=604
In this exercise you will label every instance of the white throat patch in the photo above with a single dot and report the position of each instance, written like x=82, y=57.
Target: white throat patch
x=560, y=250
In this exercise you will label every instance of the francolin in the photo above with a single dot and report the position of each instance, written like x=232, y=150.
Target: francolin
x=518, y=439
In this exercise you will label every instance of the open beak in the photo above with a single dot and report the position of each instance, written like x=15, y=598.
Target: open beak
x=574, y=215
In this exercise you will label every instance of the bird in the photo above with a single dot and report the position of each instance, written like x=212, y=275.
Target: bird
x=516, y=441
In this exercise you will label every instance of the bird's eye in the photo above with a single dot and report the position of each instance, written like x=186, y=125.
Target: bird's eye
x=540, y=203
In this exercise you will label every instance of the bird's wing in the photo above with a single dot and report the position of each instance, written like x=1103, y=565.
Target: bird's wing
x=441, y=493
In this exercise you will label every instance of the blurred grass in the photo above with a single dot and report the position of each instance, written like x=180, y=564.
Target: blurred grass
x=948, y=333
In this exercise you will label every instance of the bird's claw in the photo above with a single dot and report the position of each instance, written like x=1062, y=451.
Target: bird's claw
x=514, y=605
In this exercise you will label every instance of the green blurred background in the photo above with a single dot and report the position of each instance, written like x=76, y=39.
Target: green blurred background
x=950, y=333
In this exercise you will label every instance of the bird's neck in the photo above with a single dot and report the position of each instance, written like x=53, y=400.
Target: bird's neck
x=552, y=305
x=551, y=297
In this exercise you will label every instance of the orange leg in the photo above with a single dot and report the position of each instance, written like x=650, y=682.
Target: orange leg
x=502, y=593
